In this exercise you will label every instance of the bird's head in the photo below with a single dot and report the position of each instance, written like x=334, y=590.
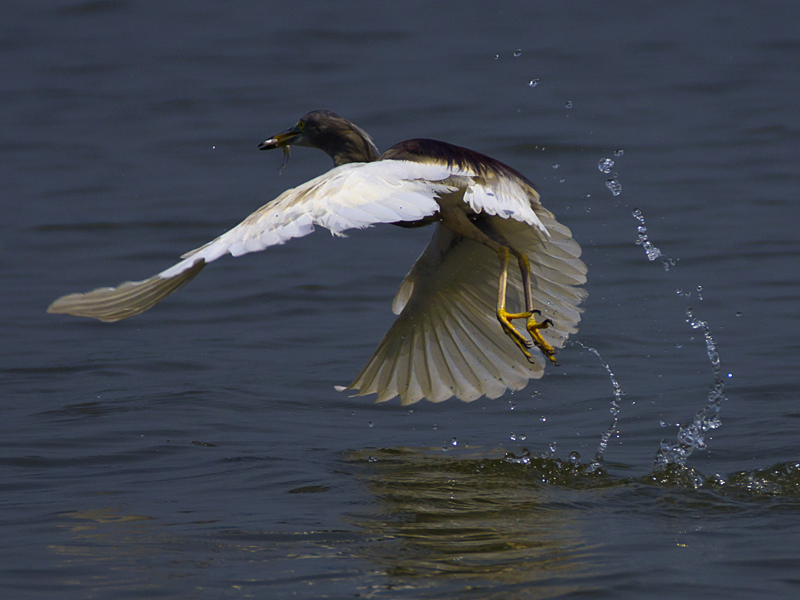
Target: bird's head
x=342, y=140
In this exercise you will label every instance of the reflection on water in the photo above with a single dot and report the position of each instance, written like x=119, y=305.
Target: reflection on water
x=474, y=517
x=512, y=523
x=110, y=537
x=480, y=523
x=110, y=553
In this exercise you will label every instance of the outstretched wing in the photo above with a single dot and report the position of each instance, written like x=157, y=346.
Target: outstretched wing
x=446, y=340
x=354, y=195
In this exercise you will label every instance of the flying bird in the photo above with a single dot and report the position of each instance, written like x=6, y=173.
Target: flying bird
x=455, y=333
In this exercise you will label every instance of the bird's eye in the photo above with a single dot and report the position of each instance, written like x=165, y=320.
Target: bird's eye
x=301, y=127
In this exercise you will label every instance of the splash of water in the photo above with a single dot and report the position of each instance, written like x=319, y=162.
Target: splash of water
x=691, y=436
x=652, y=251
x=614, y=185
x=605, y=165
x=598, y=461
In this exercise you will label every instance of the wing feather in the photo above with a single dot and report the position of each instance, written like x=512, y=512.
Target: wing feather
x=452, y=310
x=355, y=195
x=490, y=187
x=446, y=341
x=448, y=300
x=126, y=300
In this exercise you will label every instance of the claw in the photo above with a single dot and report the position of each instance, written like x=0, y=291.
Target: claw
x=533, y=328
x=521, y=341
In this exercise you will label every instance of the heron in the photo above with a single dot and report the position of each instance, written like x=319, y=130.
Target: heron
x=455, y=332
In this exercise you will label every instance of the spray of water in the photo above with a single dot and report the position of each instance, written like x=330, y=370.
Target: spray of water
x=616, y=402
x=652, y=251
x=691, y=436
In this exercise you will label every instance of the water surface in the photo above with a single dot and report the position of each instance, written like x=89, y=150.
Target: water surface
x=200, y=450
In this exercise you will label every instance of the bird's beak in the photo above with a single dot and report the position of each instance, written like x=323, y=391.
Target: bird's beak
x=281, y=140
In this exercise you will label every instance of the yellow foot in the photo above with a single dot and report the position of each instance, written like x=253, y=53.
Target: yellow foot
x=521, y=341
x=533, y=328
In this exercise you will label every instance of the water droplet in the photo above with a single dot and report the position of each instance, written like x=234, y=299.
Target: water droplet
x=533, y=82
x=455, y=442
x=568, y=104
x=370, y=423
x=544, y=419
x=513, y=437
x=517, y=53
x=619, y=152
x=574, y=457
x=738, y=313
x=435, y=427
x=652, y=252
x=605, y=165
x=615, y=186
x=662, y=423
x=372, y=459
x=513, y=406
x=562, y=180
x=699, y=292
x=496, y=56
x=730, y=374
x=523, y=437
x=556, y=165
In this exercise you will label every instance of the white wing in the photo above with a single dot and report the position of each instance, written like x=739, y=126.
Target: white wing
x=447, y=342
x=352, y=196
x=359, y=195
x=355, y=195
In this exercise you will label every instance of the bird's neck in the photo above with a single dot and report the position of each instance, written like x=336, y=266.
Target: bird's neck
x=354, y=145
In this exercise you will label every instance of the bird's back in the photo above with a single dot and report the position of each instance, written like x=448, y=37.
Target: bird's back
x=450, y=155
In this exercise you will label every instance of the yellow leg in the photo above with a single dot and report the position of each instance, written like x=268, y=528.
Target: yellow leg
x=504, y=316
x=531, y=325
x=458, y=222
x=533, y=328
